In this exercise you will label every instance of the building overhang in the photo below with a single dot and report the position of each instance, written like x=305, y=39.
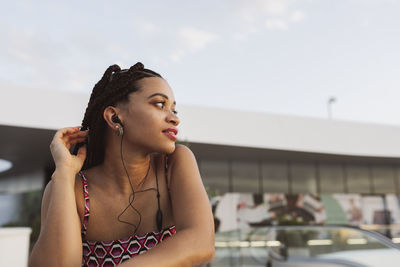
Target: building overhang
x=28, y=124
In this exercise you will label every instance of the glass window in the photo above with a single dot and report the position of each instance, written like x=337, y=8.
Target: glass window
x=215, y=175
x=275, y=177
x=331, y=178
x=383, y=179
x=358, y=179
x=397, y=179
x=245, y=177
x=303, y=178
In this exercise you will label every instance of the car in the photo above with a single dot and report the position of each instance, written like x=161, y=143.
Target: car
x=305, y=245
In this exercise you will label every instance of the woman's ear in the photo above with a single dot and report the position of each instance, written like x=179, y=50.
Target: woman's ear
x=112, y=117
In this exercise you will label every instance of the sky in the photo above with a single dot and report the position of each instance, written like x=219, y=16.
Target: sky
x=273, y=56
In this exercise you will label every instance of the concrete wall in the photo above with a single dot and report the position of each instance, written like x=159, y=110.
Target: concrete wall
x=14, y=246
x=56, y=109
x=260, y=130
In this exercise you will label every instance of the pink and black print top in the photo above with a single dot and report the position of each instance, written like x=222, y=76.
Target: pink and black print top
x=112, y=253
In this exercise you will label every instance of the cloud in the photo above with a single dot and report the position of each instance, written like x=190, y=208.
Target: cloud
x=240, y=36
x=244, y=34
x=265, y=14
x=250, y=15
x=192, y=40
x=177, y=55
x=146, y=28
x=36, y=58
x=273, y=7
x=297, y=16
x=276, y=24
x=28, y=55
x=195, y=39
x=252, y=10
x=282, y=23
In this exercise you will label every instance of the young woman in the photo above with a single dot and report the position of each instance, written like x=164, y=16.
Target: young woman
x=137, y=192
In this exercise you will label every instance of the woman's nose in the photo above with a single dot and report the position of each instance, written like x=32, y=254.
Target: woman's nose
x=172, y=118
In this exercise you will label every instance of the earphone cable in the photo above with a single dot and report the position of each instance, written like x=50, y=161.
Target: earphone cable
x=132, y=195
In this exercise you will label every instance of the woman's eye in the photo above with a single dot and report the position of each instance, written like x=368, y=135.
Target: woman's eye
x=160, y=104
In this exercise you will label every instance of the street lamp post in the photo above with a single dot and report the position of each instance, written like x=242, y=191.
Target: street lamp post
x=331, y=100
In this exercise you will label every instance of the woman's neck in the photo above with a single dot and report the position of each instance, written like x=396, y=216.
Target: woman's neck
x=116, y=170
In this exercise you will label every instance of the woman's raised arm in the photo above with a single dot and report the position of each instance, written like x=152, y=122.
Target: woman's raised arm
x=193, y=243
x=59, y=242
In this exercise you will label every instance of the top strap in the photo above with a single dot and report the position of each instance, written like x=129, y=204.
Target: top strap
x=87, y=204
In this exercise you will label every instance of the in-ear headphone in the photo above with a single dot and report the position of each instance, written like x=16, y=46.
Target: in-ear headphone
x=116, y=119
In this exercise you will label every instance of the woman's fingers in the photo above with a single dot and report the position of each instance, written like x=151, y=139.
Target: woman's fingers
x=60, y=134
x=67, y=137
x=70, y=134
x=60, y=147
x=82, y=153
x=69, y=130
x=74, y=136
x=67, y=134
x=75, y=141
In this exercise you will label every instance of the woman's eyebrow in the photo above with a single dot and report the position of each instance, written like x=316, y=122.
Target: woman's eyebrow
x=162, y=95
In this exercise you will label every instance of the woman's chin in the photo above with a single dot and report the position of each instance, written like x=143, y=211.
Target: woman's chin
x=170, y=149
x=164, y=149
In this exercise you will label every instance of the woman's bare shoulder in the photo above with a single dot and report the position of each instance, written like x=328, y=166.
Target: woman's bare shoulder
x=190, y=204
x=182, y=164
x=180, y=153
x=47, y=195
x=87, y=175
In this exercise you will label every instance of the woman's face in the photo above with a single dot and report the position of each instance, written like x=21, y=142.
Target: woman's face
x=149, y=117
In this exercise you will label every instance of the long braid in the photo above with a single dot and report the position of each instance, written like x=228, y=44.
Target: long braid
x=114, y=87
x=97, y=90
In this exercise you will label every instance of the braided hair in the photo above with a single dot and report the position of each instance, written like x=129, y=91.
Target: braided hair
x=114, y=87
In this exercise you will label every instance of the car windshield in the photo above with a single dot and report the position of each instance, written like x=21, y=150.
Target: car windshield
x=305, y=246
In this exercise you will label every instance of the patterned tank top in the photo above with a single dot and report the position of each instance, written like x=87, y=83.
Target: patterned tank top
x=112, y=253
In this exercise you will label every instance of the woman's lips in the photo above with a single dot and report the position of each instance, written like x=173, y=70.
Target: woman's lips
x=171, y=133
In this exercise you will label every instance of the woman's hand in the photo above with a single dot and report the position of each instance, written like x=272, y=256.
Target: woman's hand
x=63, y=140
x=60, y=241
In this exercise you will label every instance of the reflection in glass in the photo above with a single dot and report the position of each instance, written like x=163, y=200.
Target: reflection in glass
x=383, y=179
x=331, y=178
x=303, y=178
x=215, y=175
x=358, y=179
x=245, y=176
x=275, y=177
